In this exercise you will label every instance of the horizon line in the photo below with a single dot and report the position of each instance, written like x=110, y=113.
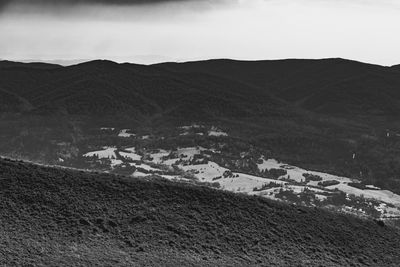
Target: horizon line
x=75, y=62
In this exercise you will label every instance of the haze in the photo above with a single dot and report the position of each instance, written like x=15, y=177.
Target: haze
x=190, y=30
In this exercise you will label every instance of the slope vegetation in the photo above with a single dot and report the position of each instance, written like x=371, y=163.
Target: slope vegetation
x=56, y=217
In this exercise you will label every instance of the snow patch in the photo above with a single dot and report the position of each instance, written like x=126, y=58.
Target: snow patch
x=106, y=153
x=216, y=132
x=139, y=174
x=382, y=195
x=131, y=154
x=245, y=182
x=296, y=173
x=193, y=126
x=124, y=133
x=205, y=172
x=157, y=156
x=145, y=167
x=189, y=152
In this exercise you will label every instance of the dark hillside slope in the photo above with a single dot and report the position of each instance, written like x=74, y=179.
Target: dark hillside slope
x=54, y=217
x=327, y=85
x=373, y=93
x=396, y=67
x=10, y=102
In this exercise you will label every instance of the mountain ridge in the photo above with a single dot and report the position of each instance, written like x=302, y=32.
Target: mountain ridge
x=300, y=82
x=124, y=84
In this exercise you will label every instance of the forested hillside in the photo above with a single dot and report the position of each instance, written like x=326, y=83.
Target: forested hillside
x=60, y=217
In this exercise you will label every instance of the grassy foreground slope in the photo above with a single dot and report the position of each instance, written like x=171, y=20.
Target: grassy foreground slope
x=55, y=217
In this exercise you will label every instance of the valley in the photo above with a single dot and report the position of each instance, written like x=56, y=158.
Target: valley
x=220, y=123
x=215, y=161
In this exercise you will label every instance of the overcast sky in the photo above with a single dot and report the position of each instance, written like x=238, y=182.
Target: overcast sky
x=167, y=30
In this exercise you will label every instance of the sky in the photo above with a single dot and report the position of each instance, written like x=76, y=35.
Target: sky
x=149, y=31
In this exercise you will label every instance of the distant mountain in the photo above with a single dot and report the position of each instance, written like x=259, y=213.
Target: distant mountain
x=66, y=218
x=206, y=88
x=105, y=87
x=32, y=65
x=62, y=62
x=330, y=85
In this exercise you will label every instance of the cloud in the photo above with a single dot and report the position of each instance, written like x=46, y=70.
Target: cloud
x=109, y=9
x=60, y=4
x=198, y=29
x=77, y=2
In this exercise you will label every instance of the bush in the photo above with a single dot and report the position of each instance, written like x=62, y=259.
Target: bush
x=228, y=174
x=358, y=185
x=288, y=195
x=267, y=186
x=328, y=183
x=217, y=178
x=276, y=173
x=312, y=177
x=337, y=199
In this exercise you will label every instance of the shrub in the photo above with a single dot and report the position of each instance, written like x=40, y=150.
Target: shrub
x=328, y=183
x=288, y=195
x=358, y=185
x=228, y=174
x=267, y=186
x=337, y=199
x=312, y=177
x=276, y=173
